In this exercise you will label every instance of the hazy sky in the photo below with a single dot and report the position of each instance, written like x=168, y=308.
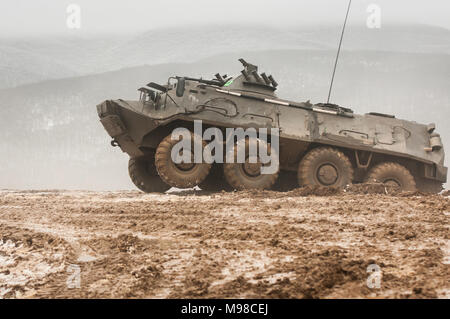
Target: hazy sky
x=35, y=17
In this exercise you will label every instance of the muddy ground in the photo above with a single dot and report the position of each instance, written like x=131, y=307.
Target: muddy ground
x=307, y=243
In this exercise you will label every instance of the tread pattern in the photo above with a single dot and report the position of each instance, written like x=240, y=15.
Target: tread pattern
x=238, y=180
x=171, y=174
x=308, y=165
x=143, y=179
x=396, y=171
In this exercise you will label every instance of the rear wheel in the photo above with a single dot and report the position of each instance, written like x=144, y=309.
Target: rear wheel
x=325, y=166
x=392, y=174
x=182, y=175
x=143, y=173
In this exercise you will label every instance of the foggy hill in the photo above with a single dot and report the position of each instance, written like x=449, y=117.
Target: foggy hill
x=36, y=59
x=51, y=136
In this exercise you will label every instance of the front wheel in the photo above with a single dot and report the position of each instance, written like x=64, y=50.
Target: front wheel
x=185, y=174
x=143, y=174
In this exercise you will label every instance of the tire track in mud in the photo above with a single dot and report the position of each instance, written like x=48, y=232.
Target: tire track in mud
x=307, y=243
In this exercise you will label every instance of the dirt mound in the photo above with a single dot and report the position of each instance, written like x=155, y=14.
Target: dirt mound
x=414, y=194
x=311, y=275
x=28, y=260
x=298, y=192
x=321, y=272
x=315, y=191
x=372, y=188
x=354, y=189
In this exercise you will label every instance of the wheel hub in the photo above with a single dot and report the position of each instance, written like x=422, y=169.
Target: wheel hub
x=327, y=174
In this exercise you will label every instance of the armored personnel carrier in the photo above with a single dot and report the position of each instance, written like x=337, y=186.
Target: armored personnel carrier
x=318, y=144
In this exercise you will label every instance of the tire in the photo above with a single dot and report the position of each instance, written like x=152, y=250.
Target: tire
x=179, y=175
x=215, y=181
x=325, y=166
x=143, y=174
x=392, y=174
x=239, y=177
x=429, y=186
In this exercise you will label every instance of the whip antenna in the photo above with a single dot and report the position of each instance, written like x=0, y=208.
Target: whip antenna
x=339, y=51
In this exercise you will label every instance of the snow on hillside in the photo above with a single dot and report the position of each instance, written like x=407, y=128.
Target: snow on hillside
x=33, y=60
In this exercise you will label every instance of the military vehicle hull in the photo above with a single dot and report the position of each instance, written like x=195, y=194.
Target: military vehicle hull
x=363, y=146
